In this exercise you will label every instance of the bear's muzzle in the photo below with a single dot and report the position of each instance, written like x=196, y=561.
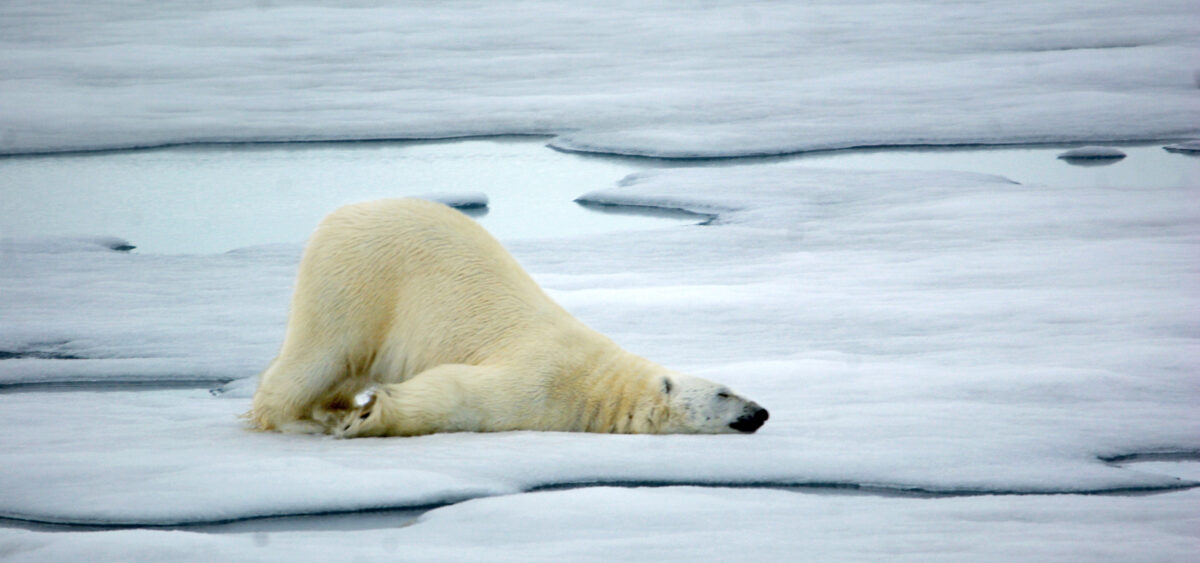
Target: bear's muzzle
x=753, y=420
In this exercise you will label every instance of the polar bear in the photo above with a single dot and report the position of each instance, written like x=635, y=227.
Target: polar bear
x=408, y=318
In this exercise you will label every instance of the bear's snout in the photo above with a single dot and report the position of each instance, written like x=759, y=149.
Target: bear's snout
x=751, y=421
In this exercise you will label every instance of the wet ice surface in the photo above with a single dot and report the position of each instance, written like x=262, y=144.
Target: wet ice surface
x=222, y=197
x=217, y=198
x=912, y=332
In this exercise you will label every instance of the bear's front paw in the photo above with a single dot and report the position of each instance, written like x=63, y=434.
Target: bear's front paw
x=359, y=420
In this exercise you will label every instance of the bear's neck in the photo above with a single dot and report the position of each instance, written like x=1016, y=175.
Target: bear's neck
x=623, y=395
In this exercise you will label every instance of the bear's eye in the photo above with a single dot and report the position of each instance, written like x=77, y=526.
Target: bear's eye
x=722, y=395
x=666, y=386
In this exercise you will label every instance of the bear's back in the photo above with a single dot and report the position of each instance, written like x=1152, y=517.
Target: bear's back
x=420, y=282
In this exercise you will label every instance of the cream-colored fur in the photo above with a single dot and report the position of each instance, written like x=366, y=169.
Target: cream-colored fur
x=409, y=318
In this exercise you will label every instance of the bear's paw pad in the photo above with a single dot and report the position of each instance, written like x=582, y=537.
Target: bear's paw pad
x=354, y=422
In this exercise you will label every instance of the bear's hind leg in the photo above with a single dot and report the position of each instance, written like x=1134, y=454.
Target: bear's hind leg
x=446, y=398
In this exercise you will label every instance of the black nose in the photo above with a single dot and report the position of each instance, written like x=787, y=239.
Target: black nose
x=750, y=422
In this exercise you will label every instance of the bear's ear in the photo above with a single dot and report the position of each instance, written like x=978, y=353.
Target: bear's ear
x=666, y=385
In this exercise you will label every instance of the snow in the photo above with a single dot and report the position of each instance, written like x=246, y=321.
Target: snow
x=674, y=79
x=1092, y=152
x=128, y=317
x=1020, y=356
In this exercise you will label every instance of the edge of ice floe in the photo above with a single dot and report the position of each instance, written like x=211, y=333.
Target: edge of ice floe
x=617, y=200
x=56, y=368
x=66, y=150
x=1151, y=455
x=882, y=489
x=575, y=142
x=1173, y=484
x=569, y=143
x=1092, y=152
x=1188, y=147
x=603, y=202
x=463, y=200
x=101, y=524
x=64, y=244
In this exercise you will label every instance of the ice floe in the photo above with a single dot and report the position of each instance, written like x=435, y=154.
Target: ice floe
x=932, y=331
x=677, y=79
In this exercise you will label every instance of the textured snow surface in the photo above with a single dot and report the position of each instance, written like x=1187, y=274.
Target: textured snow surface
x=669, y=79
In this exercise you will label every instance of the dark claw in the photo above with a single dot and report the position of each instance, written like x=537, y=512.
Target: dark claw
x=364, y=415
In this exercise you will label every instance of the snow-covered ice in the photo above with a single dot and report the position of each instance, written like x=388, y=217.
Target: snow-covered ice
x=936, y=331
x=666, y=79
x=941, y=332
x=101, y=315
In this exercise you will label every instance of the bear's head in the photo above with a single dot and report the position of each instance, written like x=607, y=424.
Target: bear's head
x=700, y=406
